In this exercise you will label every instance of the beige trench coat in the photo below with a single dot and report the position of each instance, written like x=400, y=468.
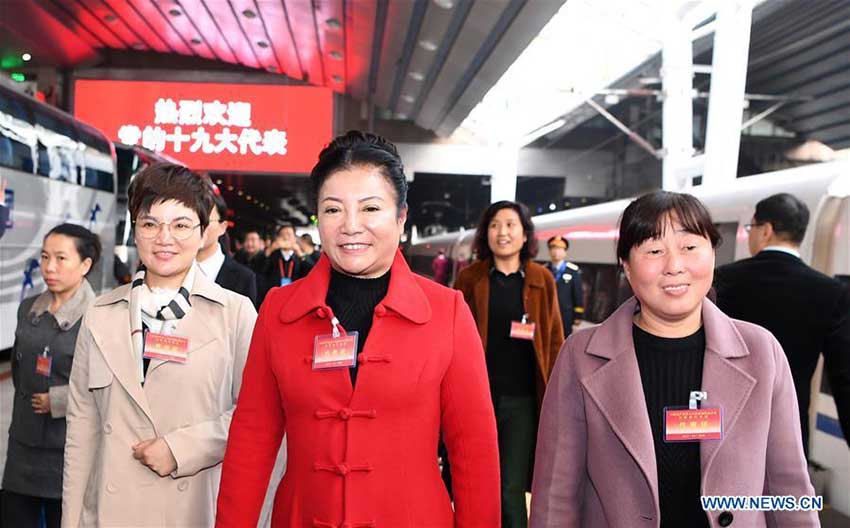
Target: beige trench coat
x=190, y=405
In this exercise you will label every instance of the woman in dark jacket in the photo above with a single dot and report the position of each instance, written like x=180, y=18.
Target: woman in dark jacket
x=41, y=364
x=515, y=305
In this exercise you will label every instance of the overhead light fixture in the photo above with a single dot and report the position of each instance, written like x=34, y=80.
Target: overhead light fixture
x=175, y=12
x=26, y=57
x=416, y=76
x=196, y=41
x=408, y=98
x=337, y=78
x=239, y=192
x=333, y=23
x=110, y=17
x=428, y=45
x=552, y=207
x=229, y=187
x=249, y=197
x=218, y=181
x=249, y=13
x=263, y=44
x=445, y=4
x=336, y=55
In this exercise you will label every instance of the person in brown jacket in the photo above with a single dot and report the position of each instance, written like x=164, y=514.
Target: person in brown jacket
x=515, y=305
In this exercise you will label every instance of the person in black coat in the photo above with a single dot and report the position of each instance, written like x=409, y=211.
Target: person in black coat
x=568, y=279
x=285, y=263
x=218, y=265
x=807, y=311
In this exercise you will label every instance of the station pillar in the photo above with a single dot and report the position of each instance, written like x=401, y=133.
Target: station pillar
x=504, y=175
x=677, y=111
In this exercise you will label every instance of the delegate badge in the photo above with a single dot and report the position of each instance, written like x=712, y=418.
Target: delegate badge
x=522, y=329
x=44, y=363
x=693, y=423
x=335, y=351
x=166, y=347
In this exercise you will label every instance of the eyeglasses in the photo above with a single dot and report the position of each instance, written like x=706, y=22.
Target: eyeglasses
x=749, y=227
x=150, y=229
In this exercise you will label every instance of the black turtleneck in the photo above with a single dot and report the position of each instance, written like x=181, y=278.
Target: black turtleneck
x=670, y=368
x=353, y=302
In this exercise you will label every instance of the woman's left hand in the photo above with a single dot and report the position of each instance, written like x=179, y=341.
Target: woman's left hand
x=155, y=454
x=40, y=403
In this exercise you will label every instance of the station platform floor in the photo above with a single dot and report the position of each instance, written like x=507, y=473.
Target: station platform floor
x=829, y=517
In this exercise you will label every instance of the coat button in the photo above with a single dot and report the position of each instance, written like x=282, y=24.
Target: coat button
x=107, y=428
x=725, y=519
x=380, y=310
x=183, y=486
x=111, y=488
x=344, y=414
x=342, y=469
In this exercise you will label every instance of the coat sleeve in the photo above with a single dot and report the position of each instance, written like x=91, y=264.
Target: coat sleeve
x=83, y=429
x=556, y=325
x=201, y=445
x=560, y=468
x=255, y=433
x=469, y=427
x=836, y=355
x=58, y=395
x=786, y=473
x=252, y=287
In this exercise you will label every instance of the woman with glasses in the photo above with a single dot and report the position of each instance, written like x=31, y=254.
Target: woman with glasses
x=157, y=371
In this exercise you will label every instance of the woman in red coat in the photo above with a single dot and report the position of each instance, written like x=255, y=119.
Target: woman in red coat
x=363, y=416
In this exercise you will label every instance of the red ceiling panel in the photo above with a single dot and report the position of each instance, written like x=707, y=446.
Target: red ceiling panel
x=274, y=17
x=253, y=26
x=306, y=41
x=178, y=16
x=96, y=26
x=332, y=43
x=108, y=18
x=128, y=17
x=206, y=30
x=223, y=14
x=23, y=27
x=46, y=8
x=161, y=25
x=359, y=33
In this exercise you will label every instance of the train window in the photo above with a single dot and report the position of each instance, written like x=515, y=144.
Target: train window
x=97, y=160
x=17, y=136
x=57, y=147
x=725, y=252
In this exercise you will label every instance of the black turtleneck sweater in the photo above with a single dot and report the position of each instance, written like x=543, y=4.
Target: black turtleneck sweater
x=353, y=302
x=669, y=370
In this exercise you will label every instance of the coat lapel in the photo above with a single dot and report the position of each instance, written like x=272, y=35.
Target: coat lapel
x=616, y=389
x=112, y=335
x=728, y=386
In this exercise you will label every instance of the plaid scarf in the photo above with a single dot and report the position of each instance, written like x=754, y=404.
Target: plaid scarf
x=176, y=309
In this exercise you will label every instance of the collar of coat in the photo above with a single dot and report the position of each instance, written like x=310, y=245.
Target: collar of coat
x=404, y=296
x=202, y=287
x=615, y=334
x=534, y=274
x=69, y=313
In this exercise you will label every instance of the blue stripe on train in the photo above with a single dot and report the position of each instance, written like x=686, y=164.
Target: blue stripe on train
x=829, y=425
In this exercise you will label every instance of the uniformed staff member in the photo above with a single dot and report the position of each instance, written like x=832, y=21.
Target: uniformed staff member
x=568, y=278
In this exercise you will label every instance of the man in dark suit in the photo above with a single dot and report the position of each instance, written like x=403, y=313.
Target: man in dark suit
x=568, y=278
x=285, y=263
x=216, y=264
x=807, y=311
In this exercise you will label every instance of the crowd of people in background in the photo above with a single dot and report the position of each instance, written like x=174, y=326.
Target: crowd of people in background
x=169, y=401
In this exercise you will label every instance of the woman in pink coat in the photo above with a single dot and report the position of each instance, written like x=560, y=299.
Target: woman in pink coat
x=363, y=364
x=668, y=400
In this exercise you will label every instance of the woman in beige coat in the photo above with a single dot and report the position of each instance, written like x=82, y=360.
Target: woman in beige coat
x=156, y=374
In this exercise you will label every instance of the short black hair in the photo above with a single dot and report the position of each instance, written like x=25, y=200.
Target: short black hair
x=220, y=205
x=647, y=217
x=162, y=182
x=356, y=148
x=788, y=215
x=307, y=239
x=87, y=243
x=283, y=226
x=482, y=247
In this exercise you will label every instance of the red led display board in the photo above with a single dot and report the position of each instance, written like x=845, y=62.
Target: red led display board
x=220, y=127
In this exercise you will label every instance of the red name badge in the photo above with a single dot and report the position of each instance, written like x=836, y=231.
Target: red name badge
x=692, y=425
x=520, y=330
x=43, y=364
x=331, y=352
x=166, y=347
